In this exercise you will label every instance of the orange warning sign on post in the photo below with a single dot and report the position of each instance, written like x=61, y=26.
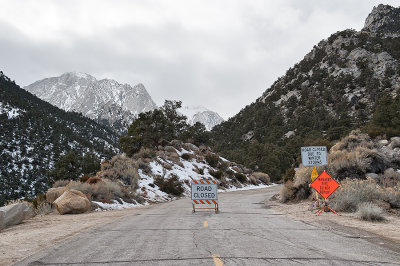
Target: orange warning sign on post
x=325, y=185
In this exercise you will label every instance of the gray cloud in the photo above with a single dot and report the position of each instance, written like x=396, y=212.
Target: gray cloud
x=223, y=60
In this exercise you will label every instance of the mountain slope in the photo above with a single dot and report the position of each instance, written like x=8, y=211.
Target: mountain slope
x=200, y=114
x=334, y=89
x=33, y=135
x=105, y=101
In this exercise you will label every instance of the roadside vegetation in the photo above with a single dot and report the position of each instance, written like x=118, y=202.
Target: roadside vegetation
x=366, y=169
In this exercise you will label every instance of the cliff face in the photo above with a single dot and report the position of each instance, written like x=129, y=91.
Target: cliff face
x=383, y=18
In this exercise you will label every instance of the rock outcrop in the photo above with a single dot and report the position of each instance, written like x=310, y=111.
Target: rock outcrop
x=383, y=18
x=72, y=201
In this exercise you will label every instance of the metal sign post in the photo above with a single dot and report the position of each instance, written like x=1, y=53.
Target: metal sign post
x=325, y=185
x=204, y=192
x=314, y=156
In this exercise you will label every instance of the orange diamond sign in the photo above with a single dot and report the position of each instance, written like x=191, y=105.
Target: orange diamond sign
x=325, y=185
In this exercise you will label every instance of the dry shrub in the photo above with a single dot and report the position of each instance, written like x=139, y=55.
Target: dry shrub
x=287, y=192
x=392, y=196
x=171, y=185
x=94, y=180
x=61, y=183
x=44, y=208
x=263, y=177
x=122, y=168
x=354, y=192
x=299, y=188
x=353, y=140
x=390, y=178
x=241, y=177
x=370, y=212
x=344, y=164
x=187, y=156
x=102, y=191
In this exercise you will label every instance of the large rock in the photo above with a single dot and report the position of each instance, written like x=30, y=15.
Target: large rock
x=72, y=201
x=14, y=214
x=53, y=193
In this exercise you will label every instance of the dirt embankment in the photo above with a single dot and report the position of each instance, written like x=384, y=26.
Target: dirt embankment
x=23, y=240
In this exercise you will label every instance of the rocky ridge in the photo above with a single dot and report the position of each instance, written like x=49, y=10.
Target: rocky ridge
x=105, y=100
x=333, y=90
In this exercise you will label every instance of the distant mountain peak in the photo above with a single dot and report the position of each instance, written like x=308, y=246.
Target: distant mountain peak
x=201, y=114
x=383, y=18
x=104, y=100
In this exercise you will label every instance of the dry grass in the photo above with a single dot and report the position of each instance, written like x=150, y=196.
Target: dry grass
x=370, y=212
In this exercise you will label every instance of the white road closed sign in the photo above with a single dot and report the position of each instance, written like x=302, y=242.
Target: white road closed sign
x=314, y=155
x=204, y=190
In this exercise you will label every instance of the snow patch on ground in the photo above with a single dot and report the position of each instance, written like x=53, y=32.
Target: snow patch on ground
x=115, y=206
x=10, y=111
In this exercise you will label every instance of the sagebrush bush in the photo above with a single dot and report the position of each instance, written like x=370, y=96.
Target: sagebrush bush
x=212, y=159
x=355, y=139
x=241, y=177
x=370, y=212
x=186, y=156
x=44, y=208
x=102, y=191
x=121, y=168
x=263, y=177
x=216, y=174
x=354, y=192
x=171, y=185
x=390, y=178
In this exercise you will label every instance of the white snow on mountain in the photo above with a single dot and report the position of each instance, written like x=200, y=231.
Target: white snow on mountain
x=103, y=100
x=201, y=114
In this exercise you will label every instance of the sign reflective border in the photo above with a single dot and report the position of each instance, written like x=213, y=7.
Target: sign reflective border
x=325, y=185
x=204, y=192
x=314, y=155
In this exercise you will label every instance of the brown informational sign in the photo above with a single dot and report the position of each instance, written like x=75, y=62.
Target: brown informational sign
x=325, y=185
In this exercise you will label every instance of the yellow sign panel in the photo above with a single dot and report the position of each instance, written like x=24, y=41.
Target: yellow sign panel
x=314, y=174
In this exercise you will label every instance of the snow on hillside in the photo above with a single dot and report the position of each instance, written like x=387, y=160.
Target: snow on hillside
x=10, y=111
x=186, y=162
x=201, y=114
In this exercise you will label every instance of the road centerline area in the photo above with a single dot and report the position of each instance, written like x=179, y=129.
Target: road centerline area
x=257, y=238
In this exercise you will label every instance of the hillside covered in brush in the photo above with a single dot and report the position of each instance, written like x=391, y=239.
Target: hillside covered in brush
x=33, y=136
x=337, y=87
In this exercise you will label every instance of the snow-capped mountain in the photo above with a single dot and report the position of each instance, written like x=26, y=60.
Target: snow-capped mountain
x=201, y=114
x=104, y=100
x=33, y=136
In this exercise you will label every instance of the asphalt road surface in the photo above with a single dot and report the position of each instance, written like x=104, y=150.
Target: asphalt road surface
x=245, y=232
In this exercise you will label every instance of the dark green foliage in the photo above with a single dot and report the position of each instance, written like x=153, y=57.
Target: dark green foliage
x=318, y=112
x=212, y=159
x=386, y=118
x=240, y=177
x=186, y=156
x=216, y=174
x=33, y=141
x=151, y=128
x=171, y=185
x=72, y=165
x=289, y=175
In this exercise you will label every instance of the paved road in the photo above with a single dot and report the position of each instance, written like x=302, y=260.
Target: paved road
x=245, y=232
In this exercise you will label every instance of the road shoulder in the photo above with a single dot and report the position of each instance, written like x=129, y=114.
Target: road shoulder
x=386, y=234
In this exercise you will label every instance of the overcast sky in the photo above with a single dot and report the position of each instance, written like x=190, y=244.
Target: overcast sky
x=219, y=54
